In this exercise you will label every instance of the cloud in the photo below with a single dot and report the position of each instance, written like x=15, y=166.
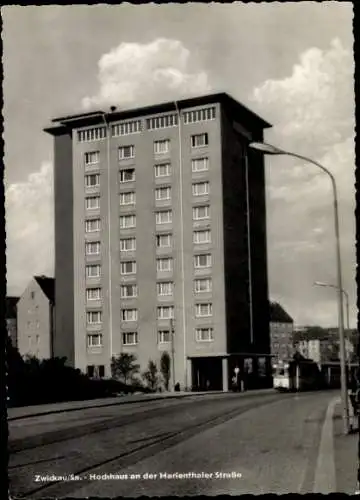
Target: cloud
x=312, y=110
x=29, y=228
x=146, y=73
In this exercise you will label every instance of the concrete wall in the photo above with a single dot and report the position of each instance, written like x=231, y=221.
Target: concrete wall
x=34, y=322
x=146, y=251
x=64, y=262
x=235, y=136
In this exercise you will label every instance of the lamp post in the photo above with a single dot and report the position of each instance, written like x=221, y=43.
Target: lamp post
x=272, y=150
x=346, y=295
x=172, y=333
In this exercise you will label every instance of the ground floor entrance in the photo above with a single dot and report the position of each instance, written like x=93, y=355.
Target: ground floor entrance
x=206, y=374
x=239, y=372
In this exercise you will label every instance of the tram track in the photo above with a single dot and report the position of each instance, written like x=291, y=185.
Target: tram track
x=77, y=431
x=140, y=449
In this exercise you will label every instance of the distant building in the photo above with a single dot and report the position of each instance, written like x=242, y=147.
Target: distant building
x=11, y=319
x=324, y=350
x=281, y=332
x=35, y=318
x=302, y=346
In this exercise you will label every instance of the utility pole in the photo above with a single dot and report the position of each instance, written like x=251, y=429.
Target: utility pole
x=172, y=333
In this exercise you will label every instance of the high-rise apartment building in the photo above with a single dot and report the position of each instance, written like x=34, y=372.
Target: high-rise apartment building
x=160, y=238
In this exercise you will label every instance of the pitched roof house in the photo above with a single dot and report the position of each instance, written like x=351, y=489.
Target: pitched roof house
x=35, y=318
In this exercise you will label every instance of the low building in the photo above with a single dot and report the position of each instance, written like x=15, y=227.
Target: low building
x=11, y=318
x=281, y=332
x=324, y=350
x=35, y=318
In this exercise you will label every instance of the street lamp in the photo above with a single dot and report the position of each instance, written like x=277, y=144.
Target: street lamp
x=272, y=150
x=172, y=333
x=346, y=295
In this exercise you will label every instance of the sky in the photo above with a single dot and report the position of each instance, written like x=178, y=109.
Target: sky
x=292, y=63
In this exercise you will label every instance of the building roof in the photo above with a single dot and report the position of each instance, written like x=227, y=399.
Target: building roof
x=47, y=285
x=278, y=314
x=10, y=307
x=64, y=124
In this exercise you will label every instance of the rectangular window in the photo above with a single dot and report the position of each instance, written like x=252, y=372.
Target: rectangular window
x=164, y=264
x=126, y=152
x=130, y=338
x=162, y=170
x=127, y=221
x=201, y=213
x=203, y=285
x=93, y=271
x=127, y=198
x=95, y=340
x=126, y=128
x=163, y=240
x=203, y=310
x=92, y=225
x=162, y=147
x=92, y=180
x=163, y=193
x=202, y=236
x=200, y=164
x=199, y=115
x=199, y=140
x=200, y=188
x=128, y=291
x=128, y=267
x=129, y=314
x=90, y=369
x=92, y=248
x=201, y=261
x=165, y=289
x=165, y=312
x=127, y=175
x=92, y=202
x=92, y=134
x=94, y=317
x=164, y=336
x=92, y=157
x=164, y=217
x=93, y=293
x=159, y=122
x=204, y=334
x=127, y=244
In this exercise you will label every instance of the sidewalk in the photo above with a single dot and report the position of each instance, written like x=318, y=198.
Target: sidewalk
x=46, y=409
x=345, y=455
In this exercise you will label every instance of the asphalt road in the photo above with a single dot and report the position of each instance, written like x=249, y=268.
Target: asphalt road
x=237, y=443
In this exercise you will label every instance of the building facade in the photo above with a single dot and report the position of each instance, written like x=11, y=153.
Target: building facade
x=281, y=333
x=35, y=318
x=160, y=238
x=324, y=350
x=11, y=319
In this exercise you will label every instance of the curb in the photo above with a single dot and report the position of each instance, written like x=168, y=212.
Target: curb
x=120, y=402
x=325, y=476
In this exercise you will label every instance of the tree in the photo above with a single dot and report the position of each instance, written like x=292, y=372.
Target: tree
x=124, y=366
x=151, y=375
x=165, y=364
